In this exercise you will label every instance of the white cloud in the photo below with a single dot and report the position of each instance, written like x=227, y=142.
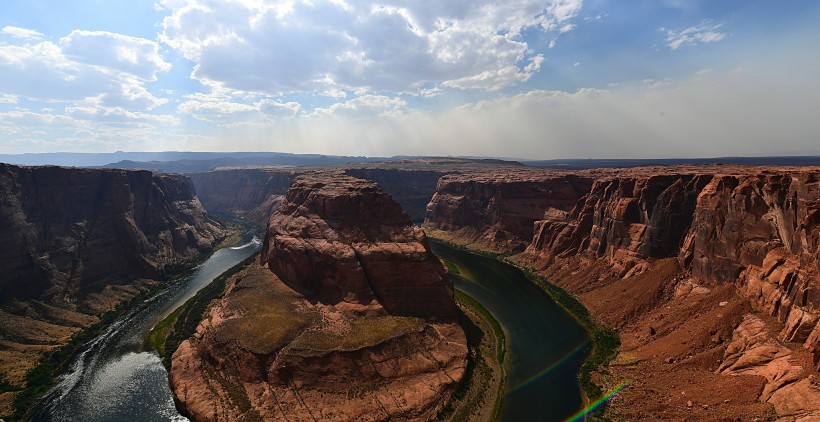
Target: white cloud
x=8, y=99
x=135, y=56
x=47, y=72
x=705, y=32
x=222, y=108
x=364, y=47
x=366, y=106
x=22, y=33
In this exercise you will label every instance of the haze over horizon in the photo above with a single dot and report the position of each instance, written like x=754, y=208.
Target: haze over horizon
x=546, y=79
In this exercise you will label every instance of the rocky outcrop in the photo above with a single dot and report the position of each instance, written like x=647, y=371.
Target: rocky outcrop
x=624, y=220
x=252, y=194
x=70, y=232
x=349, y=317
x=345, y=242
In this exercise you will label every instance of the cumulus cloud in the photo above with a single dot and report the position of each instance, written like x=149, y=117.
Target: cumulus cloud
x=222, y=108
x=705, y=32
x=132, y=55
x=364, y=47
x=69, y=71
x=22, y=33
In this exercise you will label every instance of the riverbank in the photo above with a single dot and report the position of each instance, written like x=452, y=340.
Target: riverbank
x=481, y=395
x=20, y=397
x=166, y=336
x=604, y=342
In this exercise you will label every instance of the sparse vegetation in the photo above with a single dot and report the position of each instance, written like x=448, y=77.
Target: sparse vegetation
x=364, y=331
x=605, y=341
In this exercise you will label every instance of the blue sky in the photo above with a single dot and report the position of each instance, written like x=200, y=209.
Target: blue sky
x=529, y=79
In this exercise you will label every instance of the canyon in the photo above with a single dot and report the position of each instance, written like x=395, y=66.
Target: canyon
x=78, y=242
x=348, y=316
x=709, y=273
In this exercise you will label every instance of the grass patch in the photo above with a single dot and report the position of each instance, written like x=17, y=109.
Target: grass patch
x=364, y=331
x=500, y=349
x=451, y=267
x=6, y=386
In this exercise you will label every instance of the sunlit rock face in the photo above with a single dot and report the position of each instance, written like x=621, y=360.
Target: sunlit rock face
x=349, y=316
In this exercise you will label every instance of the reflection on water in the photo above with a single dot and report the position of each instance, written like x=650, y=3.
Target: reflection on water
x=545, y=345
x=114, y=379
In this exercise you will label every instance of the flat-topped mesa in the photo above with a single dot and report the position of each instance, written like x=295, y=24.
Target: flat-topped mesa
x=343, y=241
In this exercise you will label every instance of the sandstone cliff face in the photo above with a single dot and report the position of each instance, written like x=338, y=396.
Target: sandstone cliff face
x=497, y=210
x=762, y=232
x=70, y=232
x=624, y=220
x=252, y=194
x=412, y=189
x=754, y=230
x=345, y=242
x=349, y=317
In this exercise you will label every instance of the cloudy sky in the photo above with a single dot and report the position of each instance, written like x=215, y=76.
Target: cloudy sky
x=533, y=79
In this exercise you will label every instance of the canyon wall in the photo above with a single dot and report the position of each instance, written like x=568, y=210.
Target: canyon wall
x=349, y=317
x=635, y=245
x=70, y=232
x=252, y=194
x=412, y=189
x=497, y=209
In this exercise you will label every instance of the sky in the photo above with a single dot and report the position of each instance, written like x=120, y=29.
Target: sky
x=528, y=79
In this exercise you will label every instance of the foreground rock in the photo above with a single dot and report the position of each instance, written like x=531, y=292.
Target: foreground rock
x=675, y=258
x=350, y=318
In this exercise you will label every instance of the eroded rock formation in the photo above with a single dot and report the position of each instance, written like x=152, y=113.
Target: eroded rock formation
x=350, y=317
x=752, y=230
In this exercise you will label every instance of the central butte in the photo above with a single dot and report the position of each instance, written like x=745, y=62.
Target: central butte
x=349, y=316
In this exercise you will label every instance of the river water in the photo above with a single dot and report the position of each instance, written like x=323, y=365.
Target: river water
x=114, y=378
x=545, y=346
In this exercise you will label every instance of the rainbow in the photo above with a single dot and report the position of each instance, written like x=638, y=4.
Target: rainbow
x=546, y=370
x=597, y=403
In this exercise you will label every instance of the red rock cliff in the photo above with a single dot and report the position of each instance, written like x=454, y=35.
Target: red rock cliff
x=252, y=194
x=497, y=209
x=351, y=320
x=68, y=232
x=344, y=241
